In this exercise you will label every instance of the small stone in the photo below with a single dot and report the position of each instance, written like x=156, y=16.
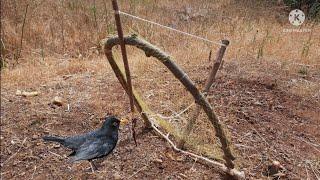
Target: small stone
x=276, y=163
x=275, y=169
x=57, y=101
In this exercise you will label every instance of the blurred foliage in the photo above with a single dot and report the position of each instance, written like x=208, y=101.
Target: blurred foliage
x=311, y=6
x=315, y=10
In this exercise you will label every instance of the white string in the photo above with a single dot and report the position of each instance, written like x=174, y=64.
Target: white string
x=175, y=115
x=170, y=28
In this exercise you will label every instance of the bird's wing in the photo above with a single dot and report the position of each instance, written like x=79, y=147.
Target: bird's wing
x=93, y=149
x=75, y=142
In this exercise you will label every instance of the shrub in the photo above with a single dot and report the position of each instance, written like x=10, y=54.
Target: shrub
x=312, y=7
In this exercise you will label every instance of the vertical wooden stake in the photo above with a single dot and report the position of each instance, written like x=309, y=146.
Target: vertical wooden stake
x=123, y=51
x=216, y=65
x=208, y=85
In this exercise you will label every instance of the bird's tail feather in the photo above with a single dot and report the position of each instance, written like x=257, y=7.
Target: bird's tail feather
x=54, y=139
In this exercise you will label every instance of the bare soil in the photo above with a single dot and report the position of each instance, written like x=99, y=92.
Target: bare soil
x=266, y=120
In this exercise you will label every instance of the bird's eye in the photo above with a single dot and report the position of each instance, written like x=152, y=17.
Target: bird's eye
x=115, y=124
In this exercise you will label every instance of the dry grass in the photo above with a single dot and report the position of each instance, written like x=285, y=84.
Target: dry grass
x=54, y=27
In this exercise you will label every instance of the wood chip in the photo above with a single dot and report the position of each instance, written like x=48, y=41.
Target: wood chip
x=27, y=94
x=158, y=160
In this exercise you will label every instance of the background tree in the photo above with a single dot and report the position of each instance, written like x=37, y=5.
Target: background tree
x=311, y=7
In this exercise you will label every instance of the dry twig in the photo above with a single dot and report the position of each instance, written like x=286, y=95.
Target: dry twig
x=139, y=170
x=25, y=139
x=233, y=172
x=309, y=143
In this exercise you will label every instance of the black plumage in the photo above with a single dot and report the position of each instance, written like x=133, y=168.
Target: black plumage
x=91, y=145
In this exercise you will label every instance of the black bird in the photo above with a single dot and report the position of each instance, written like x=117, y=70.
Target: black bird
x=91, y=145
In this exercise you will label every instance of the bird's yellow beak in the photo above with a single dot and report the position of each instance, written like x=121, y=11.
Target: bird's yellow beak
x=124, y=121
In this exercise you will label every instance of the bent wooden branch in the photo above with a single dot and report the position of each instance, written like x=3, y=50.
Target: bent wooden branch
x=208, y=85
x=151, y=50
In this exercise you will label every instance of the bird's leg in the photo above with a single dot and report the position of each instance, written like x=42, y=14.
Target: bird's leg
x=93, y=166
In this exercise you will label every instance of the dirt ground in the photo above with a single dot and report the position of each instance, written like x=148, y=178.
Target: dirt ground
x=267, y=120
